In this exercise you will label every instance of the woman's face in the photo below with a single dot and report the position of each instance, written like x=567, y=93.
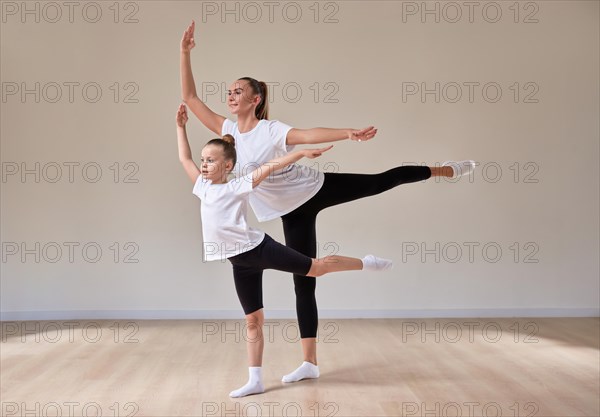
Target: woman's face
x=213, y=165
x=240, y=98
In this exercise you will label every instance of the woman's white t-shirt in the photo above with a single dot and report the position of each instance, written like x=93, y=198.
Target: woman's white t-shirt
x=286, y=189
x=223, y=211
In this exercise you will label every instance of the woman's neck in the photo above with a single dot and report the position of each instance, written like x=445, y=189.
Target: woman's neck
x=246, y=122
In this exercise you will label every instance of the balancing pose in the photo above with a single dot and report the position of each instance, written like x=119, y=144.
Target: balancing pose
x=250, y=251
x=299, y=201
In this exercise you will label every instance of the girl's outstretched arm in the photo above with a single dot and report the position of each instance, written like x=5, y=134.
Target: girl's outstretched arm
x=276, y=164
x=185, y=153
x=210, y=119
x=324, y=134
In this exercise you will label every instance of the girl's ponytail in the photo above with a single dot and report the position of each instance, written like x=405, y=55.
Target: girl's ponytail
x=227, y=142
x=229, y=139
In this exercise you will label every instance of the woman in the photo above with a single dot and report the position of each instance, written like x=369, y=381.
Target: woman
x=250, y=251
x=298, y=193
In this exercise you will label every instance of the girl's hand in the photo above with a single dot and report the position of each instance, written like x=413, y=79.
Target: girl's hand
x=313, y=153
x=182, y=116
x=187, y=41
x=362, y=135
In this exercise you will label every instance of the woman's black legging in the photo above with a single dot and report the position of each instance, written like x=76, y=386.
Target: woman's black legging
x=299, y=226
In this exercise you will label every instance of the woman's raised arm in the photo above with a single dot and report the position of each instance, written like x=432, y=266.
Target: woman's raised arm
x=210, y=119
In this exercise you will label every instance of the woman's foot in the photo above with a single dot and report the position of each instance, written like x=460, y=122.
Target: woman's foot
x=304, y=371
x=460, y=168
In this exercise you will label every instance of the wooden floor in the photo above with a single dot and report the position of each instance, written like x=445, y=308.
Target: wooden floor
x=383, y=367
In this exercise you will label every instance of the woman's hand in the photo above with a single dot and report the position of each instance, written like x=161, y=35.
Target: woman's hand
x=362, y=135
x=313, y=153
x=182, y=116
x=187, y=41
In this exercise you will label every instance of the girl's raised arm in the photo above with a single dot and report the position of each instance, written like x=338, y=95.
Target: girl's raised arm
x=273, y=165
x=210, y=119
x=185, y=153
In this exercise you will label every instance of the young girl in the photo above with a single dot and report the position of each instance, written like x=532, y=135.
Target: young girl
x=297, y=202
x=227, y=235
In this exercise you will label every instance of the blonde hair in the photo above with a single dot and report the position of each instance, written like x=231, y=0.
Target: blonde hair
x=227, y=142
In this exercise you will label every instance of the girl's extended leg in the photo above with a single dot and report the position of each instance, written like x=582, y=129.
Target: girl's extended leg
x=336, y=263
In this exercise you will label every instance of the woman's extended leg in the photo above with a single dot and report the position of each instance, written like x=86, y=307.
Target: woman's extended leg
x=299, y=227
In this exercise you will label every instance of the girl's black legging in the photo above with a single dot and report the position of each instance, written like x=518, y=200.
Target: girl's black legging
x=299, y=226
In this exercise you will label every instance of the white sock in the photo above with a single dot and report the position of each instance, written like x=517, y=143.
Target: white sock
x=306, y=370
x=373, y=263
x=460, y=168
x=254, y=384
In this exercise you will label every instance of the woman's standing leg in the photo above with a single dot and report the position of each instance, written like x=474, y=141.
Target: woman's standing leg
x=300, y=234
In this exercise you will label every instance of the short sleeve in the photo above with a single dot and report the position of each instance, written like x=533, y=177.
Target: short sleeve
x=228, y=128
x=278, y=133
x=241, y=185
x=200, y=186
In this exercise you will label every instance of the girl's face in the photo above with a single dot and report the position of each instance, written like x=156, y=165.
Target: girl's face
x=213, y=164
x=241, y=99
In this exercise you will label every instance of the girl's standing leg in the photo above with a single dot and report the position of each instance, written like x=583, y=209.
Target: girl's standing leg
x=248, y=285
x=255, y=343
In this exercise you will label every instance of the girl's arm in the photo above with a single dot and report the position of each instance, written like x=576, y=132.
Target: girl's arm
x=273, y=165
x=324, y=134
x=210, y=119
x=185, y=153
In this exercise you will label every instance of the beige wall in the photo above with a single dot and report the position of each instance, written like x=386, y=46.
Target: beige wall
x=367, y=58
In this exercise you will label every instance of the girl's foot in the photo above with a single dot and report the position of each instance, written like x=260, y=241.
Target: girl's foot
x=248, y=389
x=253, y=386
x=373, y=263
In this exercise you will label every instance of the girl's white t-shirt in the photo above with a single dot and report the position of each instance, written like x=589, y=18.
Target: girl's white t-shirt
x=286, y=189
x=223, y=211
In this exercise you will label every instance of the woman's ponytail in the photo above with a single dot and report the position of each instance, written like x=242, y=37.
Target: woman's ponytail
x=260, y=88
x=262, y=110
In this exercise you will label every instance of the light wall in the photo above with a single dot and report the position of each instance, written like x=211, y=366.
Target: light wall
x=534, y=195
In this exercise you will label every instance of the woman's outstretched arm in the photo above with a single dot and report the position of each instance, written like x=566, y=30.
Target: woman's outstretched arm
x=210, y=119
x=324, y=134
x=185, y=153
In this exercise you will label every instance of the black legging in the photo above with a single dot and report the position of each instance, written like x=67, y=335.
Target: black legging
x=299, y=226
